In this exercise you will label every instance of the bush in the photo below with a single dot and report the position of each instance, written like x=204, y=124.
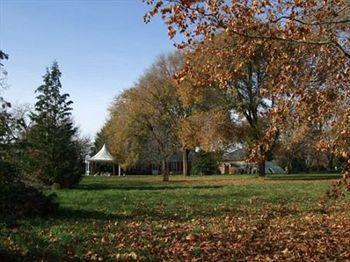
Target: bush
x=205, y=163
x=18, y=200
x=56, y=186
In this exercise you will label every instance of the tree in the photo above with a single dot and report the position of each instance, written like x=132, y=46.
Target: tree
x=6, y=169
x=3, y=74
x=305, y=23
x=12, y=126
x=118, y=130
x=16, y=198
x=83, y=148
x=99, y=141
x=144, y=119
x=245, y=79
x=53, y=152
x=206, y=121
x=205, y=163
x=157, y=118
x=316, y=31
x=16, y=124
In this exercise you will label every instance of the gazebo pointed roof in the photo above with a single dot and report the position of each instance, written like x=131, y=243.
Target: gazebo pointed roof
x=102, y=156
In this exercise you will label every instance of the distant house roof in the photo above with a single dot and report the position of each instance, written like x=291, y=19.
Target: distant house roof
x=102, y=156
x=273, y=168
x=237, y=155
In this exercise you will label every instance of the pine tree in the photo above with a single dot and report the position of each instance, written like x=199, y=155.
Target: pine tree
x=205, y=163
x=100, y=140
x=53, y=155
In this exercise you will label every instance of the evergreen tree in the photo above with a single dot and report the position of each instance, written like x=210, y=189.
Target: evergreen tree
x=100, y=140
x=17, y=199
x=54, y=157
x=205, y=163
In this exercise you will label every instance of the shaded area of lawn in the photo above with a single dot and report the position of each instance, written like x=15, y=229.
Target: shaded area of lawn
x=143, y=217
x=144, y=197
x=304, y=177
x=101, y=186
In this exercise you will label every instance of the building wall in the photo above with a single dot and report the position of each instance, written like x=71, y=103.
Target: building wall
x=242, y=167
x=228, y=168
x=175, y=167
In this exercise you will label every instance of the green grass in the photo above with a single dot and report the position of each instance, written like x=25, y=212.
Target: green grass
x=142, y=197
x=94, y=217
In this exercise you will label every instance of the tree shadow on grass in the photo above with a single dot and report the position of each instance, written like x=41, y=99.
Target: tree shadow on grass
x=87, y=219
x=176, y=213
x=82, y=214
x=141, y=215
x=34, y=252
x=303, y=177
x=157, y=213
x=98, y=186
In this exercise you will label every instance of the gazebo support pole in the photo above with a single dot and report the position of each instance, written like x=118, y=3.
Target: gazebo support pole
x=119, y=170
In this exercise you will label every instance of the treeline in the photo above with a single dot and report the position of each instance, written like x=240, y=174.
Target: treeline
x=39, y=147
x=151, y=121
x=212, y=101
x=299, y=52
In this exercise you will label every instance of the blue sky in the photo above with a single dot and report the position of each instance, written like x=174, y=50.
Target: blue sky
x=101, y=46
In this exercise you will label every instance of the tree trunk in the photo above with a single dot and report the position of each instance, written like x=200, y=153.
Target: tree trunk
x=289, y=167
x=331, y=162
x=261, y=168
x=185, y=162
x=165, y=171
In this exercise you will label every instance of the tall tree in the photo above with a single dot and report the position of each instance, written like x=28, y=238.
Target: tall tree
x=3, y=72
x=245, y=78
x=157, y=118
x=317, y=31
x=54, y=156
x=206, y=118
x=12, y=129
x=99, y=141
x=5, y=125
x=145, y=118
x=16, y=198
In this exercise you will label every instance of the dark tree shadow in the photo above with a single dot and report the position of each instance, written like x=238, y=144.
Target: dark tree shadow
x=34, y=253
x=81, y=214
x=303, y=177
x=98, y=186
x=141, y=215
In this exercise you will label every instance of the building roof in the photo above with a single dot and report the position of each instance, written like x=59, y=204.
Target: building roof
x=102, y=156
x=238, y=158
x=273, y=168
x=237, y=155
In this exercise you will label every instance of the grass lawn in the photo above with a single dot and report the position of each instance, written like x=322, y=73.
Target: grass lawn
x=204, y=218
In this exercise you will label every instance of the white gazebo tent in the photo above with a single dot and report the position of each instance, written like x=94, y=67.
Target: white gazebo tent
x=102, y=156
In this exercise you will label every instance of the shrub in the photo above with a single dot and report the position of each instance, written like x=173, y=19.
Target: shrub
x=18, y=200
x=205, y=163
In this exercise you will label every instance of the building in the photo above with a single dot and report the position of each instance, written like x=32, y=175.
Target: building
x=175, y=166
x=96, y=165
x=235, y=163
